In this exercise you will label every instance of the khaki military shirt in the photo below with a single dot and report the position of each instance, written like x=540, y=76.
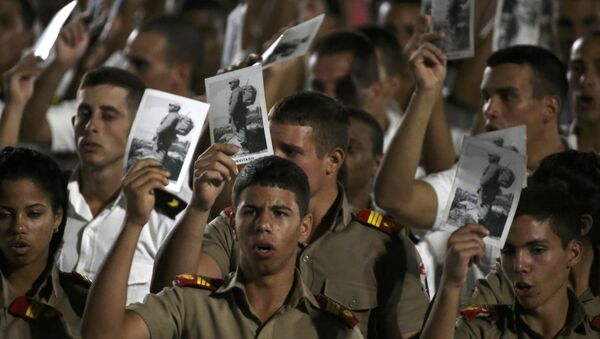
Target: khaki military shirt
x=374, y=274
x=503, y=321
x=53, y=310
x=195, y=313
x=495, y=288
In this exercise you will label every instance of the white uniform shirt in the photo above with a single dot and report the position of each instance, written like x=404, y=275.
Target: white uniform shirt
x=87, y=241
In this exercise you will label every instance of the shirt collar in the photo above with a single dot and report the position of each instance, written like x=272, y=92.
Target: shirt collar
x=299, y=294
x=576, y=318
x=77, y=201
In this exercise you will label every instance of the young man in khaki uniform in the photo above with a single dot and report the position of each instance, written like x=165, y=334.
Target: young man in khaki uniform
x=541, y=249
x=361, y=263
x=579, y=173
x=263, y=298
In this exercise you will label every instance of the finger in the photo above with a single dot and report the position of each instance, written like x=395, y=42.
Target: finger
x=212, y=177
x=432, y=36
x=217, y=166
x=139, y=165
x=479, y=229
x=156, y=180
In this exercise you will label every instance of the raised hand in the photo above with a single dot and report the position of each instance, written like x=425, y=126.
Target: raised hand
x=19, y=80
x=465, y=247
x=428, y=64
x=139, y=185
x=72, y=43
x=212, y=170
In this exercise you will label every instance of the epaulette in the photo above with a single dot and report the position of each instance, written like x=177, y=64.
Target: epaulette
x=377, y=220
x=595, y=323
x=487, y=312
x=29, y=309
x=198, y=281
x=228, y=211
x=331, y=306
x=76, y=287
x=168, y=203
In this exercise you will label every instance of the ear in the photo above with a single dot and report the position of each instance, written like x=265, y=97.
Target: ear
x=58, y=217
x=335, y=160
x=586, y=224
x=574, y=251
x=306, y=226
x=183, y=74
x=376, y=163
x=552, y=108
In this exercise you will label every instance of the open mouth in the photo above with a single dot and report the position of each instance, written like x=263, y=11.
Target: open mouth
x=585, y=99
x=522, y=289
x=264, y=250
x=20, y=247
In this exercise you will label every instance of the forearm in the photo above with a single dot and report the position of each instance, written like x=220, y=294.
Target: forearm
x=395, y=181
x=441, y=320
x=104, y=315
x=35, y=127
x=10, y=123
x=438, y=148
x=181, y=250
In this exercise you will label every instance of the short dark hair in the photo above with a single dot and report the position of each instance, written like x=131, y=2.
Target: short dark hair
x=183, y=42
x=325, y=115
x=116, y=77
x=548, y=76
x=393, y=60
x=273, y=171
x=375, y=130
x=27, y=164
x=579, y=174
x=551, y=203
x=364, y=65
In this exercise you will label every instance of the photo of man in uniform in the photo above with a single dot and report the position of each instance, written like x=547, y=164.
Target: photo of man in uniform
x=166, y=132
x=237, y=110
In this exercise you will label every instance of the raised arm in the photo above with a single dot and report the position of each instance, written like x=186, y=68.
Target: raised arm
x=465, y=246
x=70, y=47
x=18, y=86
x=105, y=315
x=182, y=251
x=411, y=201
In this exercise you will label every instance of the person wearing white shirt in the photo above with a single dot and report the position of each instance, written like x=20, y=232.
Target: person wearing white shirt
x=107, y=101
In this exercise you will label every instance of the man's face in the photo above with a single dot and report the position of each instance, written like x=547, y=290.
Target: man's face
x=102, y=126
x=360, y=163
x=330, y=75
x=573, y=19
x=146, y=56
x=268, y=227
x=296, y=143
x=584, y=79
x=536, y=263
x=14, y=36
x=508, y=99
x=402, y=18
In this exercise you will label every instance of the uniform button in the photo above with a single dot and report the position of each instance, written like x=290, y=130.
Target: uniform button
x=306, y=258
x=352, y=303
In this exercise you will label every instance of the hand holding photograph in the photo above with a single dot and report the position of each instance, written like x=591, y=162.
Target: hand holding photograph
x=166, y=127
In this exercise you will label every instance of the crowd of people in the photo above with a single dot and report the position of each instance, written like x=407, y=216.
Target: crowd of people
x=339, y=233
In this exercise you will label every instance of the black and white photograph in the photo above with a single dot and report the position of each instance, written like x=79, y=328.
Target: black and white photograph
x=292, y=43
x=238, y=113
x=518, y=22
x=426, y=7
x=455, y=18
x=486, y=188
x=166, y=127
x=514, y=138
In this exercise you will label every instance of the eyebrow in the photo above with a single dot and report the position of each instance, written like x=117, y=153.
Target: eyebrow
x=109, y=108
x=530, y=243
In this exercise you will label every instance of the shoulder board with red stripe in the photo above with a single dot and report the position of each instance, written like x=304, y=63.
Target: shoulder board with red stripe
x=29, y=309
x=198, y=281
x=228, y=211
x=377, y=220
x=596, y=323
x=80, y=279
x=484, y=311
x=343, y=313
